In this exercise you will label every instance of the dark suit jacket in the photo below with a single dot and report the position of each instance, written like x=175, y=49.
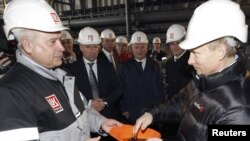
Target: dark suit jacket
x=103, y=57
x=108, y=85
x=142, y=88
x=178, y=74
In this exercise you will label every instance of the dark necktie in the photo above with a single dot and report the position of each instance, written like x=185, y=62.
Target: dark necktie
x=140, y=65
x=111, y=61
x=93, y=82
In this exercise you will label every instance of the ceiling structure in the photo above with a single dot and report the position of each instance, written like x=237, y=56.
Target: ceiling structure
x=127, y=16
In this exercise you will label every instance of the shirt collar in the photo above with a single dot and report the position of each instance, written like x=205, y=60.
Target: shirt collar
x=143, y=60
x=86, y=61
x=53, y=74
x=106, y=52
x=178, y=57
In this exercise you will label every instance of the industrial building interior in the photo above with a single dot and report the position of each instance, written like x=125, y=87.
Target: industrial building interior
x=154, y=17
x=127, y=16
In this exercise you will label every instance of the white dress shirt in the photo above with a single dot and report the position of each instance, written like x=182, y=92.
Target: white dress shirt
x=143, y=62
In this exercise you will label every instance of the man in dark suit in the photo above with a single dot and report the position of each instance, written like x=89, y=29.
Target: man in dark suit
x=141, y=78
x=104, y=93
x=108, y=52
x=178, y=71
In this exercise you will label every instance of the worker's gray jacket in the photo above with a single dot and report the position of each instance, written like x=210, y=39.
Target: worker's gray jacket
x=41, y=104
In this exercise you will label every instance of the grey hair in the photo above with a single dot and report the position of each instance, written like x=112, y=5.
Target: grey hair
x=230, y=42
x=19, y=33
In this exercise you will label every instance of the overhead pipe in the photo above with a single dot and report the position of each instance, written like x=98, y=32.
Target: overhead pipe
x=100, y=21
x=143, y=18
x=158, y=17
x=155, y=17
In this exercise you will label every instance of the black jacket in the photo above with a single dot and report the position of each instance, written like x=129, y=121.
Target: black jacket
x=102, y=56
x=142, y=88
x=216, y=99
x=156, y=55
x=178, y=74
x=108, y=85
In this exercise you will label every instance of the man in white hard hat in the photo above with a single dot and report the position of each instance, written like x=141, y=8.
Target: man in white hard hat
x=156, y=53
x=178, y=71
x=108, y=52
x=39, y=100
x=121, y=44
x=141, y=78
x=216, y=96
x=104, y=92
x=69, y=56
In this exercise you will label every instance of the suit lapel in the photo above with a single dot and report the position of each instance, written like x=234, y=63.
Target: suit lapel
x=86, y=83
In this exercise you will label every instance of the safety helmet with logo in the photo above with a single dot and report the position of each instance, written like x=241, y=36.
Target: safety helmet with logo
x=121, y=39
x=215, y=19
x=66, y=35
x=175, y=33
x=89, y=36
x=139, y=37
x=108, y=34
x=157, y=40
x=30, y=14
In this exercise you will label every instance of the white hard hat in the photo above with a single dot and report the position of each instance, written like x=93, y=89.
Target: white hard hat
x=157, y=40
x=30, y=14
x=108, y=34
x=121, y=39
x=175, y=33
x=89, y=36
x=66, y=35
x=139, y=37
x=215, y=19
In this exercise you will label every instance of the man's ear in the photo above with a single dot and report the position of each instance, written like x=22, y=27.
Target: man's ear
x=221, y=51
x=27, y=45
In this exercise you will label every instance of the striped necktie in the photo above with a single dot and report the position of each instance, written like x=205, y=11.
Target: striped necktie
x=93, y=82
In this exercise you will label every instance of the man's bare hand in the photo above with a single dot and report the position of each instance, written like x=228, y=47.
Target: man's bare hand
x=110, y=123
x=98, y=104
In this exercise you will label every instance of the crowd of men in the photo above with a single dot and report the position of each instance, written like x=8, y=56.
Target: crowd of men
x=60, y=91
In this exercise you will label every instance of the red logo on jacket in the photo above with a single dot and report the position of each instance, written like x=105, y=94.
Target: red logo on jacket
x=54, y=103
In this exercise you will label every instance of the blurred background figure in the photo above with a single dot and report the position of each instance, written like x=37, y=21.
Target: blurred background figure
x=108, y=52
x=178, y=72
x=156, y=53
x=4, y=63
x=69, y=55
x=121, y=44
x=7, y=53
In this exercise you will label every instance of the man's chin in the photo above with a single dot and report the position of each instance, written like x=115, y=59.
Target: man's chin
x=58, y=63
x=198, y=73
